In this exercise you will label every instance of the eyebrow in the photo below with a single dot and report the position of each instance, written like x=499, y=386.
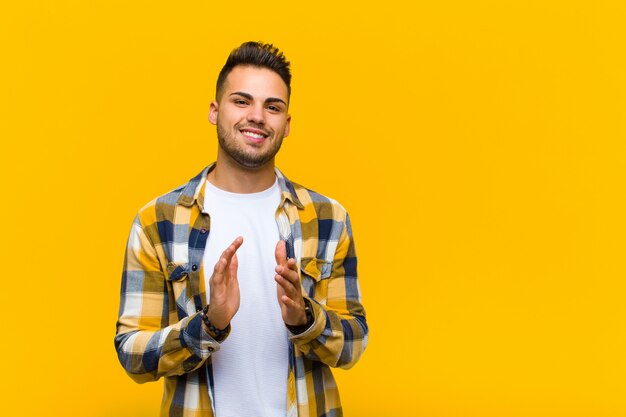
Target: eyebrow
x=249, y=97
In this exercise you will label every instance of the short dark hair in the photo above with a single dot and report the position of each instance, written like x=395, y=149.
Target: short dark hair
x=256, y=54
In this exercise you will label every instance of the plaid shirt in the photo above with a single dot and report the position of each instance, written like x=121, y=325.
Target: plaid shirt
x=159, y=330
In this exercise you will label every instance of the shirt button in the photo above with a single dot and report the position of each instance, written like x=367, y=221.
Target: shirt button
x=194, y=267
x=203, y=231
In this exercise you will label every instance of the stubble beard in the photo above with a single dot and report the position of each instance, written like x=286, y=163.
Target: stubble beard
x=249, y=160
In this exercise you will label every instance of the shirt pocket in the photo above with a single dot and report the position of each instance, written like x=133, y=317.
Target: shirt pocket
x=178, y=277
x=177, y=271
x=314, y=272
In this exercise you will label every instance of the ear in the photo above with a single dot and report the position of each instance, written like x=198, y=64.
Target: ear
x=213, y=110
x=287, y=126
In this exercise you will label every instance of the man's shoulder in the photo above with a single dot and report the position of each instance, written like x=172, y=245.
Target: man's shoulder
x=324, y=223
x=322, y=205
x=163, y=205
x=168, y=199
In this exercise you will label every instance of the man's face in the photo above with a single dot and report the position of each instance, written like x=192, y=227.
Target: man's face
x=251, y=116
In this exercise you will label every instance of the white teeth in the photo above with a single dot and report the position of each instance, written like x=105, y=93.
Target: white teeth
x=253, y=135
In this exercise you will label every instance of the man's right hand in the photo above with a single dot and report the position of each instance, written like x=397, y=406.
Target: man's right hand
x=224, y=287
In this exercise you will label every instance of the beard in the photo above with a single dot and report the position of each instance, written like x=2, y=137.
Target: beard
x=248, y=158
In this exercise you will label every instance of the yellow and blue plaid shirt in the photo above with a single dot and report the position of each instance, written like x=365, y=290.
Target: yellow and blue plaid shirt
x=159, y=329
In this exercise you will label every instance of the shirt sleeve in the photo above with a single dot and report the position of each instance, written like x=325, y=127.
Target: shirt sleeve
x=148, y=346
x=338, y=335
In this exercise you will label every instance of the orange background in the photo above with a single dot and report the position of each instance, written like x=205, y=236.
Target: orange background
x=478, y=146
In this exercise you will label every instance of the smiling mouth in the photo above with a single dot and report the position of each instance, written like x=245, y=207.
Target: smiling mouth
x=254, y=134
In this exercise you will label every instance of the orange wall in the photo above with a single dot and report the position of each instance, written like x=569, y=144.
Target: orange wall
x=479, y=147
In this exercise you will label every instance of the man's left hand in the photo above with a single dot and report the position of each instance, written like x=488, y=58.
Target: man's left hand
x=289, y=288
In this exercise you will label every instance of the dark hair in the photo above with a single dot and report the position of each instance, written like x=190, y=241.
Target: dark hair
x=256, y=54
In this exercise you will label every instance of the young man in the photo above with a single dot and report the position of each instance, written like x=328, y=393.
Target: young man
x=240, y=287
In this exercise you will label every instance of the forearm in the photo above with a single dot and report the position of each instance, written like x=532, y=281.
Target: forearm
x=335, y=338
x=148, y=342
x=147, y=355
x=339, y=332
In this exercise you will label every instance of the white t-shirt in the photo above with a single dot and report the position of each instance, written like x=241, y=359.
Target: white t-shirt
x=250, y=370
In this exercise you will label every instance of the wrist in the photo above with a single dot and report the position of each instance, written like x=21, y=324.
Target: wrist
x=219, y=324
x=216, y=332
x=308, y=321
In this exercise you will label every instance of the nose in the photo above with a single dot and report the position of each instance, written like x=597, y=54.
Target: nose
x=256, y=114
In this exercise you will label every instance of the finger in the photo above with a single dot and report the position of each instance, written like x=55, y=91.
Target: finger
x=225, y=259
x=281, y=252
x=280, y=291
x=238, y=242
x=290, y=304
x=290, y=274
x=288, y=287
x=218, y=271
x=232, y=267
x=291, y=264
x=231, y=249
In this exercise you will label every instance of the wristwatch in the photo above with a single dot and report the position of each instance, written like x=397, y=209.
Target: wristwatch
x=218, y=334
x=308, y=310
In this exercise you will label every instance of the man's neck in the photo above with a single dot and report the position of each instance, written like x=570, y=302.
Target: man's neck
x=229, y=176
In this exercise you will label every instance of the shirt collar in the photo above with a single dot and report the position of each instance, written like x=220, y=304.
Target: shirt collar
x=194, y=190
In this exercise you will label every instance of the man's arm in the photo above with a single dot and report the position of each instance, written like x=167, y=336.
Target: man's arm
x=148, y=347
x=338, y=334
